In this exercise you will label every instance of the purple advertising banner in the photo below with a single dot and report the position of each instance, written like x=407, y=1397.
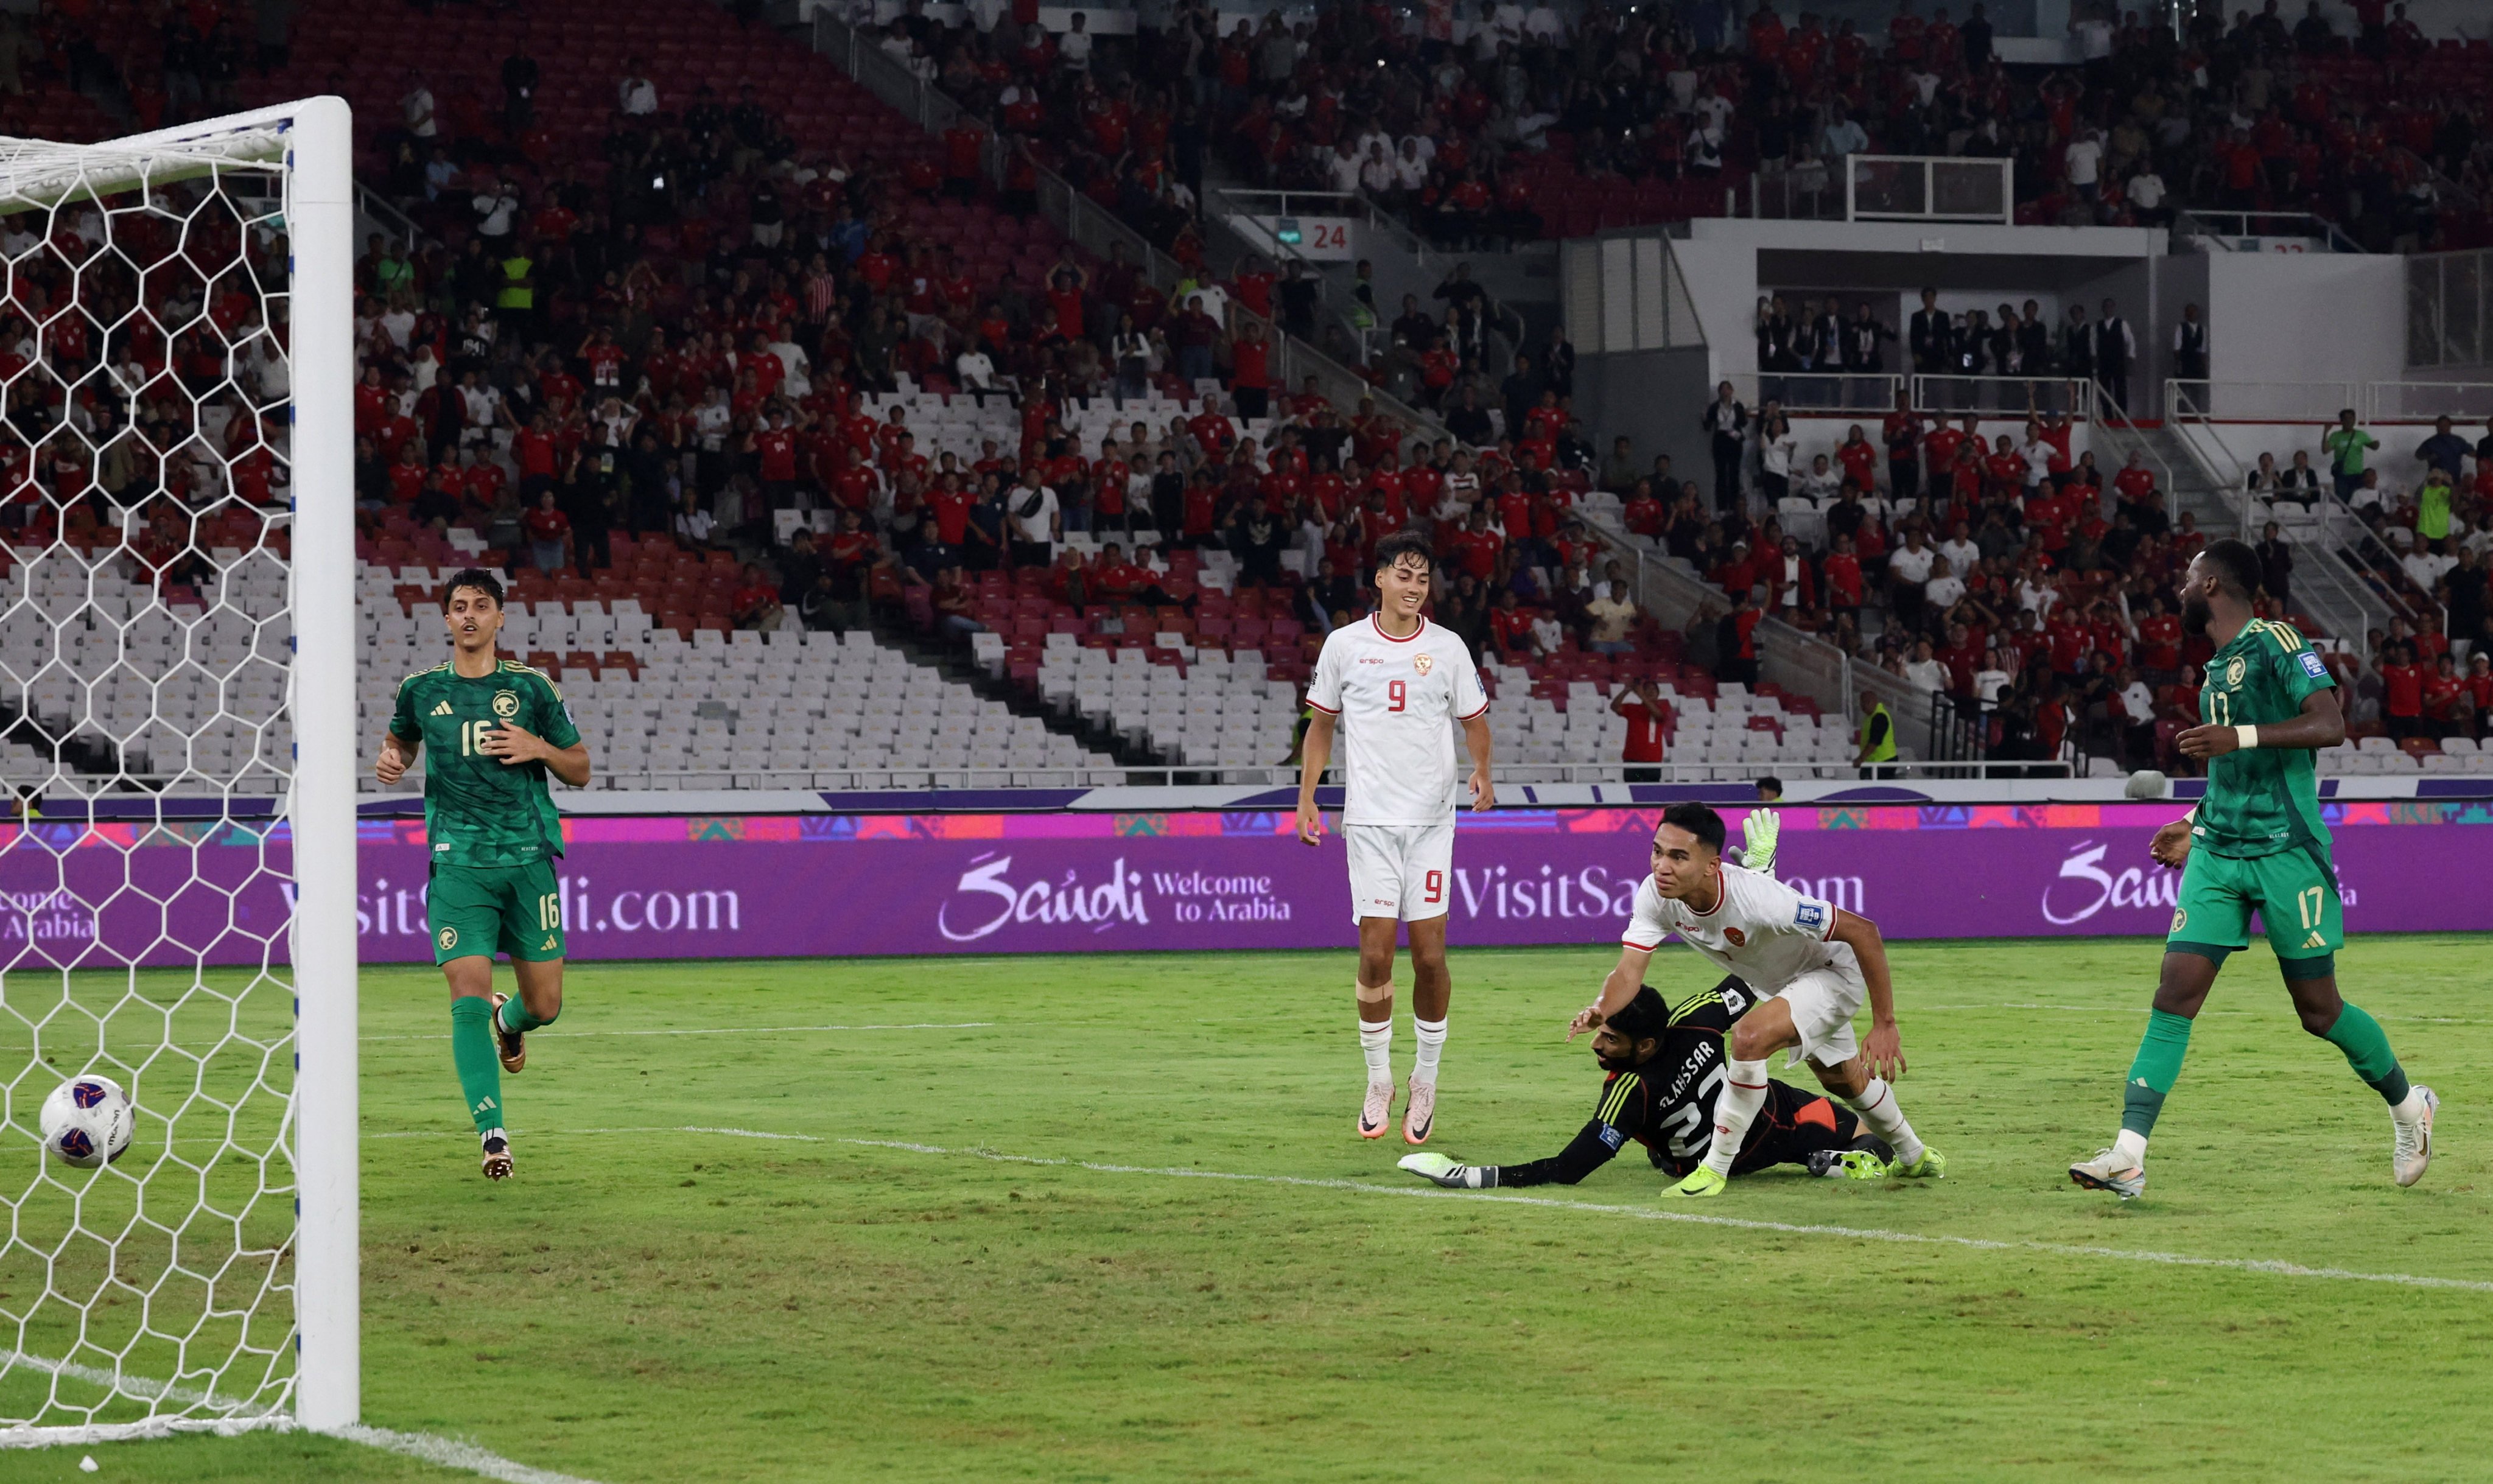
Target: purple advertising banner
x=666, y=887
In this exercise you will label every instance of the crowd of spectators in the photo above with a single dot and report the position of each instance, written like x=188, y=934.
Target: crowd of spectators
x=1511, y=121
x=2036, y=591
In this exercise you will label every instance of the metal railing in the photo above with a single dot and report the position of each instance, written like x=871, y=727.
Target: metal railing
x=939, y=778
x=2120, y=439
x=2266, y=402
x=1928, y=188
x=2007, y=395
x=2321, y=401
x=2261, y=231
x=1814, y=393
x=2335, y=546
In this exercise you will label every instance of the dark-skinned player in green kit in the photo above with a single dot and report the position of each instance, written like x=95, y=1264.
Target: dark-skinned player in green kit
x=2255, y=843
x=495, y=730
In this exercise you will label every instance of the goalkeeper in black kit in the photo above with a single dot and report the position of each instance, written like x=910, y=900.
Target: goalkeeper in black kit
x=1666, y=1068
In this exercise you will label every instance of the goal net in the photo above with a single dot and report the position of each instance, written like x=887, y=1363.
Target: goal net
x=177, y=899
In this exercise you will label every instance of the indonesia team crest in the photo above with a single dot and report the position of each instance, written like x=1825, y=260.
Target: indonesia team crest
x=1421, y=663
x=1736, y=938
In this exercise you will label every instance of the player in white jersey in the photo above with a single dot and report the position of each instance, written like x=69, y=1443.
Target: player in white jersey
x=1812, y=963
x=1395, y=686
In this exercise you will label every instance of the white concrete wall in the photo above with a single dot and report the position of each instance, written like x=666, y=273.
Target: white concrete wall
x=2308, y=317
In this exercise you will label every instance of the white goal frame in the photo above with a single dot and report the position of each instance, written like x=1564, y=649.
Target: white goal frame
x=311, y=140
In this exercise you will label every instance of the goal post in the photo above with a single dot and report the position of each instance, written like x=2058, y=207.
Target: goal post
x=178, y=905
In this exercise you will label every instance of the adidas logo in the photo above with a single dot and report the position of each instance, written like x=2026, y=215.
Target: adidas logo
x=548, y=944
x=442, y=709
x=483, y=1105
x=2315, y=942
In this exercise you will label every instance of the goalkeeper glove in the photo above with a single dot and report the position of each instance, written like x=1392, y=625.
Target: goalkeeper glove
x=1441, y=1171
x=1759, y=835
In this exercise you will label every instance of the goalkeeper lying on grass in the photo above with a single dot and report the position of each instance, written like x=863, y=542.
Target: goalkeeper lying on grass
x=1666, y=1068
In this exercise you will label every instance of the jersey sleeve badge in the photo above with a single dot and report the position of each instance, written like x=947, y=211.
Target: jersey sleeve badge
x=1808, y=915
x=2312, y=666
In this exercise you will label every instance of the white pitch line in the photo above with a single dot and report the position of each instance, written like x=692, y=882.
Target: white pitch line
x=721, y=1030
x=668, y=1128
x=454, y=1453
x=2427, y=1019
x=448, y=1452
x=2270, y=1267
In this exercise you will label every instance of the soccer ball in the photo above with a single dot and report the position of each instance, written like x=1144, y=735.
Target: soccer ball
x=87, y=1121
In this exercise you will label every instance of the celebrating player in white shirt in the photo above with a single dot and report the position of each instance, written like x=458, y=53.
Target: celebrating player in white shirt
x=1814, y=962
x=1395, y=686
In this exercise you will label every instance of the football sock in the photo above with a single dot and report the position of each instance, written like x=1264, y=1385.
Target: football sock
x=1432, y=1036
x=2368, y=1052
x=514, y=1017
x=2152, y=1072
x=480, y=1069
x=1877, y=1106
x=1376, y=1044
x=1735, y=1108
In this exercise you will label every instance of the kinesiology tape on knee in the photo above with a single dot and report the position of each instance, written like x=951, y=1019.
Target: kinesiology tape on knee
x=1375, y=993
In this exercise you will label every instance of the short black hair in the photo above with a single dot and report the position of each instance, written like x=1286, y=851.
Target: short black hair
x=2236, y=565
x=1771, y=784
x=477, y=577
x=1698, y=820
x=1399, y=544
x=1642, y=1017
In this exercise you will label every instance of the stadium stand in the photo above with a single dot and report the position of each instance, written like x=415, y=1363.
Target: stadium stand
x=655, y=291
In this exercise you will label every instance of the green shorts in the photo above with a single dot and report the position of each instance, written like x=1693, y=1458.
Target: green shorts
x=2294, y=893
x=479, y=910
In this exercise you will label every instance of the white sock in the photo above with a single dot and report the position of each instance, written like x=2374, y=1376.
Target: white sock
x=1432, y=1036
x=2131, y=1146
x=1735, y=1108
x=1376, y=1044
x=1877, y=1106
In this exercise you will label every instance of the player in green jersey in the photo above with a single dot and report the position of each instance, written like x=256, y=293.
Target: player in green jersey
x=495, y=729
x=2256, y=842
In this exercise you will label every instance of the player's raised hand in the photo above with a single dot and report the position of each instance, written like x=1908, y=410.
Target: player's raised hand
x=1882, y=1051
x=2207, y=741
x=514, y=744
x=1587, y=1018
x=393, y=764
x=1310, y=824
x=1484, y=793
x=2171, y=846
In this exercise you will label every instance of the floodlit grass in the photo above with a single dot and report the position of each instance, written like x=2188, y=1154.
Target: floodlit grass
x=644, y=1303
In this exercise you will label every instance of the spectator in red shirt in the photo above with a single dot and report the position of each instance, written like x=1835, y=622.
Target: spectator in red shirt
x=1510, y=628
x=1250, y=370
x=1648, y=718
x=2402, y=679
x=549, y=533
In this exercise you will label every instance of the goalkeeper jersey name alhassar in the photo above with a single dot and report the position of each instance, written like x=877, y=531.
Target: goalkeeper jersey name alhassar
x=479, y=811
x=2262, y=800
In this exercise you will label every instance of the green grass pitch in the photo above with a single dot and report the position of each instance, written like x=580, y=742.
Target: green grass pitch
x=647, y=1303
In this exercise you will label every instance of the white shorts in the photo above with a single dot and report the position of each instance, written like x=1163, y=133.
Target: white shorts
x=1400, y=870
x=1824, y=1002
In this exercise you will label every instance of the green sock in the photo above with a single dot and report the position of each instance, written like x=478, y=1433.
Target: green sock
x=2367, y=1050
x=514, y=1017
x=480, y=1071
x=2154, y=1071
